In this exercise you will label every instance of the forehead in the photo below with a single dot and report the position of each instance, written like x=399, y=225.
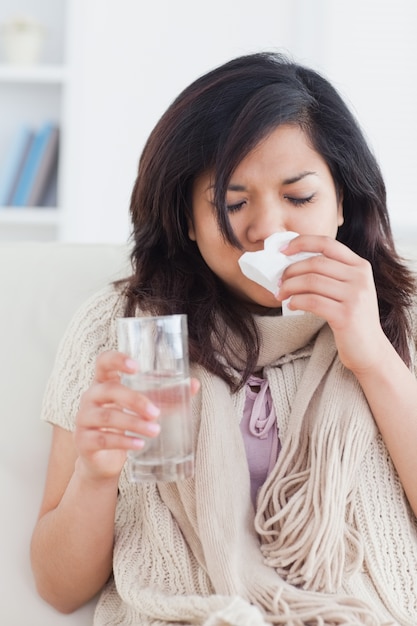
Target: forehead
x=286, y=153
x=286, y=139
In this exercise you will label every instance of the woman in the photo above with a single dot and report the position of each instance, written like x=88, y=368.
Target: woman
x=304, y=501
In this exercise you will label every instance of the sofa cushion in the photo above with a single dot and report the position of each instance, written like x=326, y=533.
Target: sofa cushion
x=41, y=285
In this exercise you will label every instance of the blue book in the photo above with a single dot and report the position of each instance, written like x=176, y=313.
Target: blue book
x=47, y=170
x=32, y=164
x=12, y=167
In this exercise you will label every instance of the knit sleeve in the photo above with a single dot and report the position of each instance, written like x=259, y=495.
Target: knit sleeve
x=91, y=331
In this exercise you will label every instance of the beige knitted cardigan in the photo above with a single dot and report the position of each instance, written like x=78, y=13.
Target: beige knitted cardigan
x=333, y=540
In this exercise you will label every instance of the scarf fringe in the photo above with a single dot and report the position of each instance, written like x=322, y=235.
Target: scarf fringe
x=306, y=508
x=293, y=607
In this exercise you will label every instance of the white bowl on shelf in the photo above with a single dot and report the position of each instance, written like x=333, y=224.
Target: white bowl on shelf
x=23, y=41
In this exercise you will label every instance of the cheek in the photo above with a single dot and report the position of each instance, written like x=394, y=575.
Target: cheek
x=240, y=226
x=325, y=223
x=219, y=255
x=208, y=239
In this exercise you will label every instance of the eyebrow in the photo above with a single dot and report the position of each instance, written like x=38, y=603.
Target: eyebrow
x=286, y=181
x=298, y=177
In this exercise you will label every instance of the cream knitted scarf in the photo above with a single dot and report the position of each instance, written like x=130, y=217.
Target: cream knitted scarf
x=290, y=566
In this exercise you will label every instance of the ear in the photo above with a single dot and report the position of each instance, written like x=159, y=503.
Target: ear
x=191, y=231
x=340, y=216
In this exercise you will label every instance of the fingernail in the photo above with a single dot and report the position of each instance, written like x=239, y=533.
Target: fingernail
x=152, y=410
x=276, y=294
x=284, y=247
x=137, y=443
x=131, y=365
x=153, y=428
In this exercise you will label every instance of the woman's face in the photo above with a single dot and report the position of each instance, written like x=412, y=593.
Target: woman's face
x=282, y=184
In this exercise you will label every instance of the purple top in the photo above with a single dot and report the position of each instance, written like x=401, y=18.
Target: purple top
x=260, y=432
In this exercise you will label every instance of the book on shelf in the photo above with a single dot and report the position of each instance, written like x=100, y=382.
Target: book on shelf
x=12, y=165
x=46, y=172
x=39, y=168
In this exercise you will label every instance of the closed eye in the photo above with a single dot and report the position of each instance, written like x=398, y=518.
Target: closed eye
x=300, y=201
x=233, y=208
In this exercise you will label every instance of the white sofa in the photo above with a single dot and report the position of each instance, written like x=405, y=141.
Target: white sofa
x=41, y=285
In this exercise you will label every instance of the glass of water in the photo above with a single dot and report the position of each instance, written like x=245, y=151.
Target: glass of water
x=160, y=347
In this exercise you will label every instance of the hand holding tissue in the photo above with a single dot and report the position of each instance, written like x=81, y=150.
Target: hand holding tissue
x=266, y=266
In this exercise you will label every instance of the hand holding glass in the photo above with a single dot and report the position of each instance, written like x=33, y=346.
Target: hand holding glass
x=159, y=345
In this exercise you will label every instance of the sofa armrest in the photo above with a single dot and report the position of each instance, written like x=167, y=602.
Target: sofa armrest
x=41, y=286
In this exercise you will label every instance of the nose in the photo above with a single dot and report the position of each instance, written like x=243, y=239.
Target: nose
x=266, y=218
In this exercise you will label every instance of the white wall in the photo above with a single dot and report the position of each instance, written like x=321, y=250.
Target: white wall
x=130, y=58
x=371, y=54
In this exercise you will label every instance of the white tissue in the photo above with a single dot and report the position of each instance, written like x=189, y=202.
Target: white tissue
x=266, y=266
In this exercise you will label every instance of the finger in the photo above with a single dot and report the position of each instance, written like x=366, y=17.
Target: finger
x=340, y=314
x=330, y=310
x=319, y=265
x=111, y=418
x=312, y=283
x=114, y=393
x=320, y=244
x=97, y=440
x=110, y=364
x=332, y=278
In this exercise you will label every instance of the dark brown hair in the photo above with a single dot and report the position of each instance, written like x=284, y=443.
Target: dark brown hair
x=212, y=125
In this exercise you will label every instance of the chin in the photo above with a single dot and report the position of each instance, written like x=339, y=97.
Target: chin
x=254, y=295
x=261, y=299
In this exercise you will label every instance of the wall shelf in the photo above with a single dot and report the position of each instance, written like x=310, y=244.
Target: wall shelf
x=29, y=216
x=36, y=74
x=32, y=96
